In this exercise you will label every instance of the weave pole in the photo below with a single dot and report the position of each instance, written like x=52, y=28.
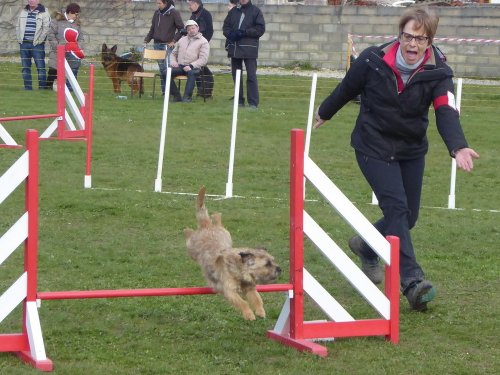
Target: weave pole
x=291, y=329
x=163, y=132
x=234, y=125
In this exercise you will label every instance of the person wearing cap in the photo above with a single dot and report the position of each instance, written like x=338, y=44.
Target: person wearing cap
x=190, y=54
x=243, y=26
x=165, y=31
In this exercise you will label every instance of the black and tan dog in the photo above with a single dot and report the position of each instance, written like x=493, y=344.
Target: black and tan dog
x=233, y=272
x=120, y=69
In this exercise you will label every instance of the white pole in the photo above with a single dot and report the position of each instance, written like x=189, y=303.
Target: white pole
x=453, y=175
x=229, y=184
x=163, y=135
x=310, y=120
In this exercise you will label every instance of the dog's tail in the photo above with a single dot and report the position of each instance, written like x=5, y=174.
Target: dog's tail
x=201, y=211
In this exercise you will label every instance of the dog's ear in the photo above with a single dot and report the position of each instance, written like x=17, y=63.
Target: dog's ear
x=104, y=47
x=247, y=258
x=114, y=48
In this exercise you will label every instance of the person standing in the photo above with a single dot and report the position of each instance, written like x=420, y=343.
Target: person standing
x=165, y=29
x=243, y=26
x=398, y=81
x=189, y=56
x=32, y=28
x=231, y=4
x=203, y=18
x=65, y=30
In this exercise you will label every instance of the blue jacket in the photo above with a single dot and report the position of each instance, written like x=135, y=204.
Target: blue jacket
x=393, y=118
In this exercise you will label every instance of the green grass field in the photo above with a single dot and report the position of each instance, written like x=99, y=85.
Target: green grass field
x=121, y=234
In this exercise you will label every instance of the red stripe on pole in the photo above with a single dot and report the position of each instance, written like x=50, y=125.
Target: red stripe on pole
x=148, y=292
x=88, y=123
x=61, y=88
x=31, y=206
x=392, y=290
x=30, y=117
x=297, y=233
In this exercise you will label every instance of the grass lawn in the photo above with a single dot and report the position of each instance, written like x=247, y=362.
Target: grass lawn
x=121, y=234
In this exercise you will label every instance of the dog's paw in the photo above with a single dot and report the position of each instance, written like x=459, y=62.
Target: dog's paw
x=260, y=312
x=248, y=315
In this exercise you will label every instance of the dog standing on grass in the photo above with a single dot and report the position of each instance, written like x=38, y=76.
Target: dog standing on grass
x=233, y=272
x=120, y=69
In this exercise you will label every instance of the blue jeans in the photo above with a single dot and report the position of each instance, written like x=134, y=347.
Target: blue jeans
x=398, y=187
x=162, y=64
x=37, y=53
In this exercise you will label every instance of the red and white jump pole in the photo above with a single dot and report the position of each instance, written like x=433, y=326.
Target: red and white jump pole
x=291, y=329
x=63, y=123
x=27, y=345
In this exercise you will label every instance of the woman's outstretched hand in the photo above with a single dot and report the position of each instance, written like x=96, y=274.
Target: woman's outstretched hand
x=464, y=158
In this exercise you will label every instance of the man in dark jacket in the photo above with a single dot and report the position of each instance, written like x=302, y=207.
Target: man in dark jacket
x=165, y=31
x=398, y=82
x=243, y=26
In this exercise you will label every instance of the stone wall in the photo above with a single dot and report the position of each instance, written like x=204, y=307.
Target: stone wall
x=315, y=35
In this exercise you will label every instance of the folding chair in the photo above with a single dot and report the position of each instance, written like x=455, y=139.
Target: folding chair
x=150, y=54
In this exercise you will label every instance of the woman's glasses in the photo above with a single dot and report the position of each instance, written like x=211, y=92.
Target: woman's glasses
x=418, y=38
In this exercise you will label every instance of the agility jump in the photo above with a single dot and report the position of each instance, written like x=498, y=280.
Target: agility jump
x=290, y=329
x=67, y=114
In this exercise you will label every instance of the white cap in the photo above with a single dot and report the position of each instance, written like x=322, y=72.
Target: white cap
x=191, y=23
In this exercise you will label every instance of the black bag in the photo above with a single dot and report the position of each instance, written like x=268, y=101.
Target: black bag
x=206, y=87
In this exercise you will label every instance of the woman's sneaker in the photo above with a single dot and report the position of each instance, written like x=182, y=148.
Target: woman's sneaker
x=419, y=294
x=370, y=267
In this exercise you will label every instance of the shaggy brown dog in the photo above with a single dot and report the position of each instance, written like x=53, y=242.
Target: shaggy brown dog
x=233, y=272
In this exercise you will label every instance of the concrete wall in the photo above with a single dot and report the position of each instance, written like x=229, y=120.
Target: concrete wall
x=312, y=34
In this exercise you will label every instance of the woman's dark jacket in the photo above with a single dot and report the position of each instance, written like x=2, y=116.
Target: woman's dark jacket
x=204, y=20
x=253, y=26
x=393, y=118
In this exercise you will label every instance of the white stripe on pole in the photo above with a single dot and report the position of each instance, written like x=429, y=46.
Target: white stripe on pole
x=229, y=184
x=310, y=120
x=453, y=174
x=163, y=135
x=5, y=136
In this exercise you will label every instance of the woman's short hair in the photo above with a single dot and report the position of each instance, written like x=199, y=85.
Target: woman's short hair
x=423, y=17
x=73, y=8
